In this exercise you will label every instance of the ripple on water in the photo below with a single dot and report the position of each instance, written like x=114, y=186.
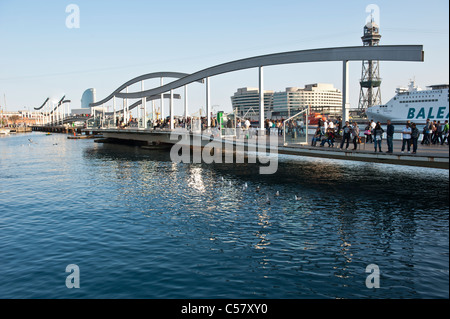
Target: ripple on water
x=139, y=226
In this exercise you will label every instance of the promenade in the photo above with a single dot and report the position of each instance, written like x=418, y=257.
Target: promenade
x=435, y=156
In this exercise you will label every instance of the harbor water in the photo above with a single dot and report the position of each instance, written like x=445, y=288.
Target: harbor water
x=139, y=226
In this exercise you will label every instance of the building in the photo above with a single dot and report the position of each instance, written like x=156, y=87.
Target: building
x=246, y=103
x=321, y=97
x=87, y=98
x=20, y=118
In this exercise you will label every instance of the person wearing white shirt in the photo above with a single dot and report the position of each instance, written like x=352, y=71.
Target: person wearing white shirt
x=407, y=131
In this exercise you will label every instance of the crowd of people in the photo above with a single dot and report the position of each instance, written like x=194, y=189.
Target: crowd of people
x=433, y=133
x=327, y=132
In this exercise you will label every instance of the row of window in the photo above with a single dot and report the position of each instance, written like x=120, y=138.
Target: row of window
x=419, y=101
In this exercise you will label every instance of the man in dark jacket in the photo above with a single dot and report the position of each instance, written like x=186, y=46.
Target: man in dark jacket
x=390, y=137
x=414, y=137
x=346, y=133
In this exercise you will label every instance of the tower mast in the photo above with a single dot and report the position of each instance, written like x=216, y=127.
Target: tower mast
x=370, y=94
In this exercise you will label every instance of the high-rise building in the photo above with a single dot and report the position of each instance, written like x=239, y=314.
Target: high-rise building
x=246, y=102
x=320, y=97
x=87, y=98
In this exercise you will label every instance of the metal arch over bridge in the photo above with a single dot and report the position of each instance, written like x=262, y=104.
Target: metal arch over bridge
x=43, y=104
x=148, y=99
x=405, y=53
x=141, y=78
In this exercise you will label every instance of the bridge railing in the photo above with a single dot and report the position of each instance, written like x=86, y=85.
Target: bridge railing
x=93, y=123
x=295, y=129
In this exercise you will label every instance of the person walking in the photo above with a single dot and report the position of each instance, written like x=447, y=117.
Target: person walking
x=445, y=132
x=355, y=135
x=390, y=130
x=368, y=133
x=406, y=141
x=415, y=133
x=427, y=130
x=339, y=126
x=439, y=131
x=346, y=132
x=434, y=132
x=378, y=136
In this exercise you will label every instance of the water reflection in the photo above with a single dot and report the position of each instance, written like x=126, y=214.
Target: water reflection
x=351, y=215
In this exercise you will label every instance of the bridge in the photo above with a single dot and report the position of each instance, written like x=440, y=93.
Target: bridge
x=142, y=134
x=52, y=116
x=409, y=53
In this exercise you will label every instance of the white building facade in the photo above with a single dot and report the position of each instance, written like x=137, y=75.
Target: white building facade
x=320, y=97
x=323, y=98
x=246, y=103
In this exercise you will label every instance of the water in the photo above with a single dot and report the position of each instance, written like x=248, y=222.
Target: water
x=139, y=226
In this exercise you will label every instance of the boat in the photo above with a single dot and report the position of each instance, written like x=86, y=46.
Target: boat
x=4, y=131
x=315, y=117
x=413, y=104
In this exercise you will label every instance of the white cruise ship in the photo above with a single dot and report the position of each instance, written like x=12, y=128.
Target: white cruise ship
x=413, y=104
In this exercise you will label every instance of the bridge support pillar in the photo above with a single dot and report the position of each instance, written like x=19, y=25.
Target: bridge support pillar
x=172, y=124
x=114, y=111
x=126, y=109
x=153, y=112
x=185, y=103
x=345, y=93
x=162, y=101
x=142, y=115
x=261, y=101
x=208, y=102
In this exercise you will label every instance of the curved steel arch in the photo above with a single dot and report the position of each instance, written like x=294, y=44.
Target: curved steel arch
x=412, y=53
x=43, y=104
x=61, y=102
x=148, y=99
x=176, y=75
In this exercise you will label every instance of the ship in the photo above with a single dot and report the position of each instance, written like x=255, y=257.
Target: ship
x=413, y=104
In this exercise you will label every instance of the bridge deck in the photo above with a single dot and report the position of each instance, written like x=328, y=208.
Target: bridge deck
x=436, y=156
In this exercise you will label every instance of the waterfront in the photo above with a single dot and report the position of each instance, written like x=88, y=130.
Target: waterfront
x=140, y=226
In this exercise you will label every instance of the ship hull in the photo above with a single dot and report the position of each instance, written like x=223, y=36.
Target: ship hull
x=413, y=105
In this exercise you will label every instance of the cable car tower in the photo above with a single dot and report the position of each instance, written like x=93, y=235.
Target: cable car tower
x=370, y=80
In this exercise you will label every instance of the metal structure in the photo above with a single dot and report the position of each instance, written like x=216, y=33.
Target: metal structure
x=411, y=53
x=370, y=94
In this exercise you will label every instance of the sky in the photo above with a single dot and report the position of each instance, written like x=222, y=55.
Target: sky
x=116, y=41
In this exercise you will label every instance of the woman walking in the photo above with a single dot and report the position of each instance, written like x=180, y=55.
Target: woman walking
x=378, y=136
x=414, y=137
x=355, y=135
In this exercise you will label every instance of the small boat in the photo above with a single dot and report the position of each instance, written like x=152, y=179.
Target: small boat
x=4, y=131
x=48, y=134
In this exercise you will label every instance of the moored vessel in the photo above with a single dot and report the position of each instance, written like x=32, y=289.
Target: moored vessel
x=414, y=104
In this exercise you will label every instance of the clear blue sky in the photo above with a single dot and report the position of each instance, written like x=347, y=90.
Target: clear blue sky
x=119, y=40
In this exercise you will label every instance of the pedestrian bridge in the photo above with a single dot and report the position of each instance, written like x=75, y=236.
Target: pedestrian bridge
x=406, y=53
